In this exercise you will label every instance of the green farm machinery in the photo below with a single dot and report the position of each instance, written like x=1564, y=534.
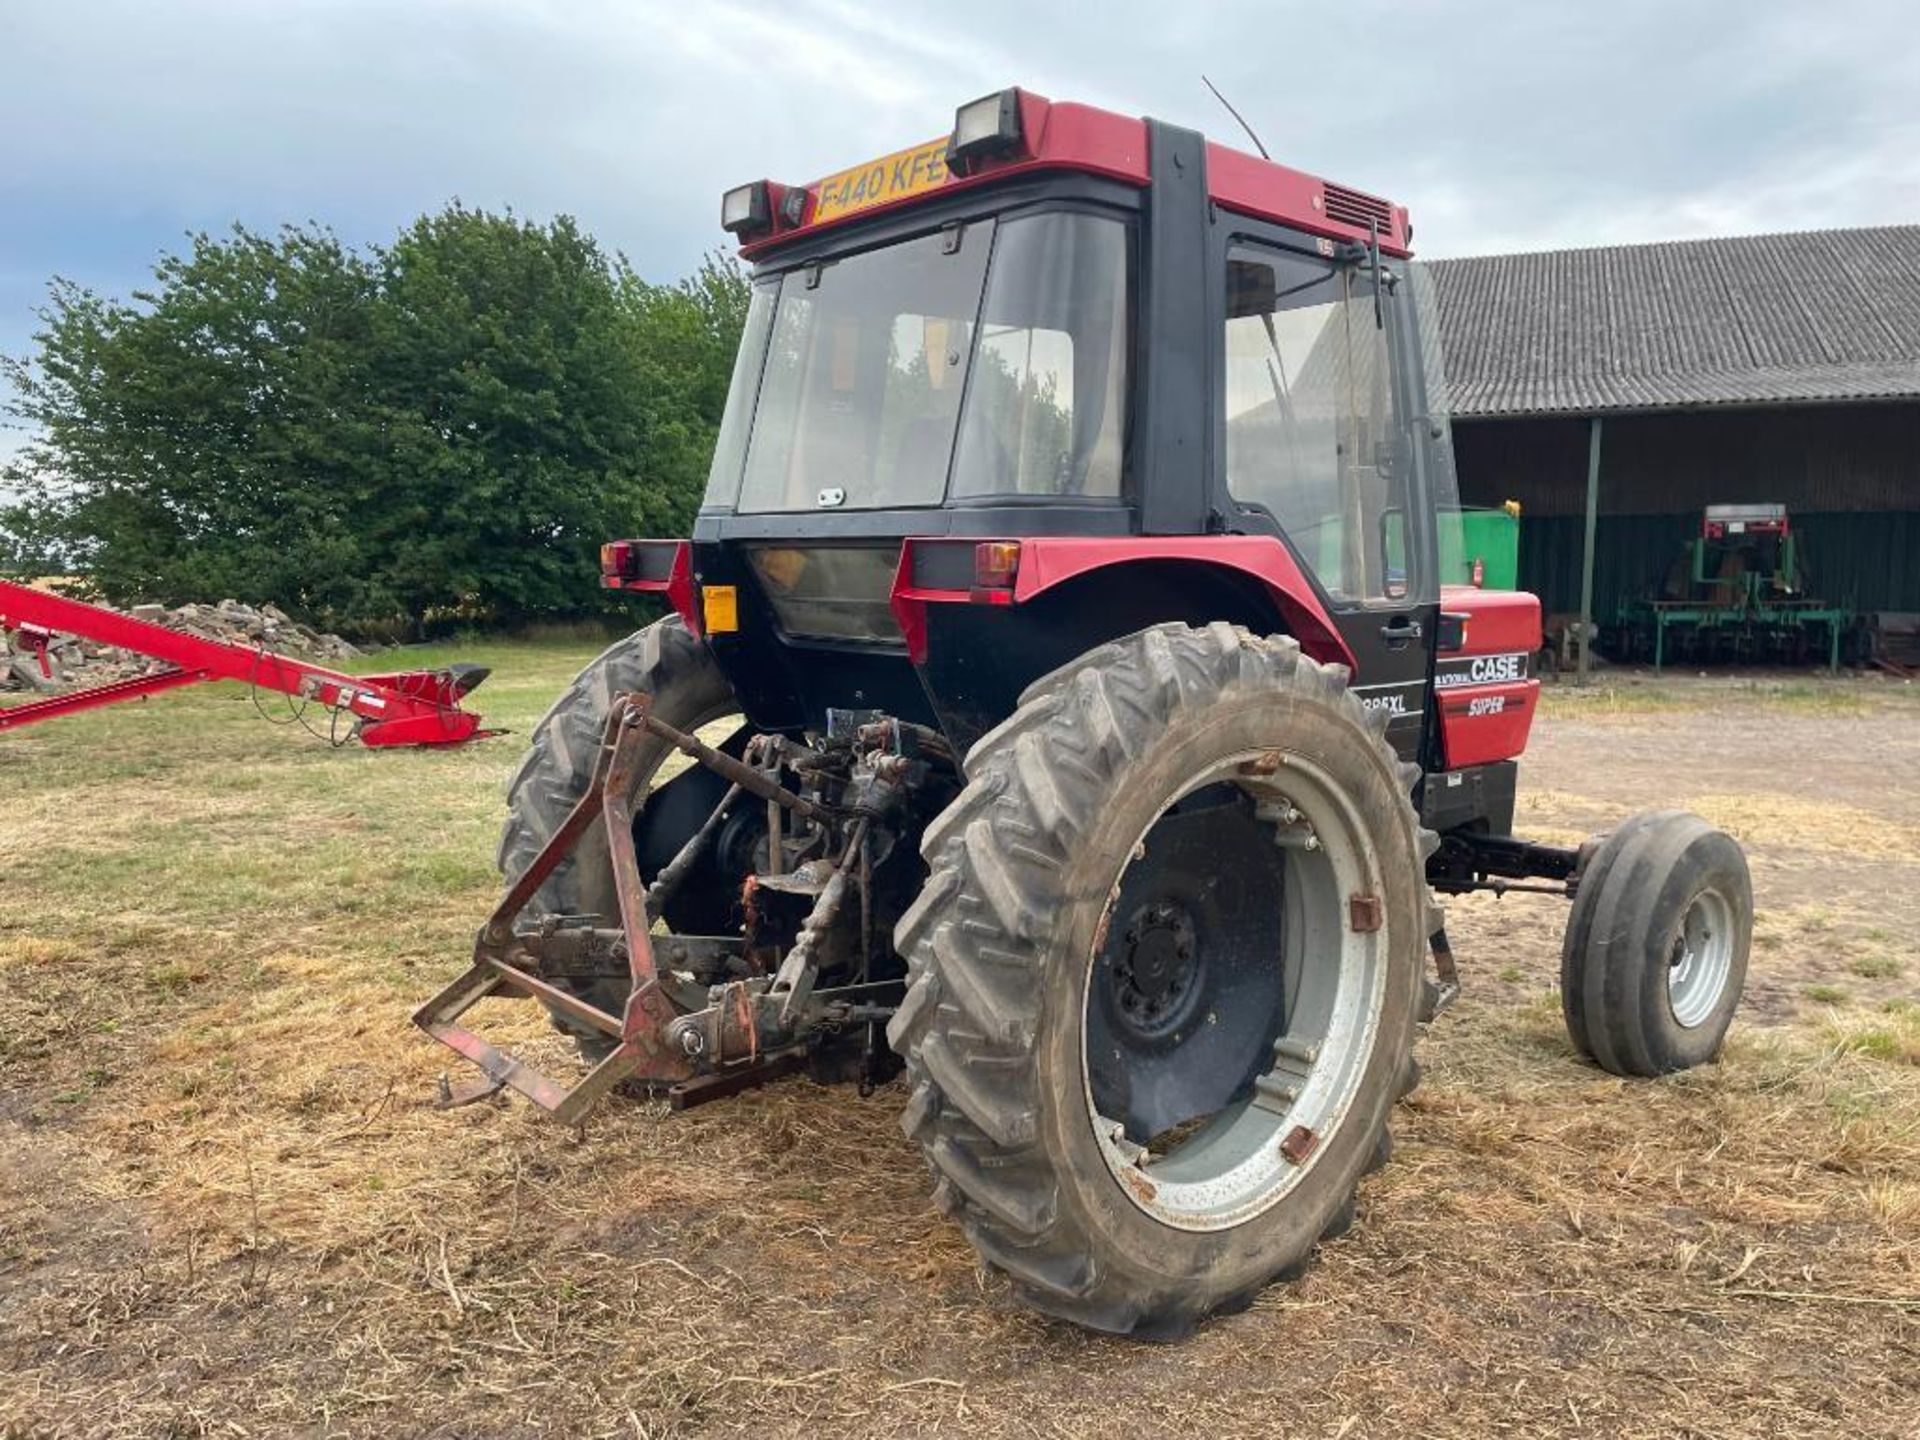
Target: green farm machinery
x=1741, y=596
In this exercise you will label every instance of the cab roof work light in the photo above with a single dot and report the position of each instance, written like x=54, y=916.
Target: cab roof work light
x=747, y=210
x=984, y=128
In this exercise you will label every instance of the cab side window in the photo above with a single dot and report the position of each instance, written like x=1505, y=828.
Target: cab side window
x=1310, y=421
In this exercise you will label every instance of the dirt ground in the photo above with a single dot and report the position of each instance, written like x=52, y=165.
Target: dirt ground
x=227, y=1207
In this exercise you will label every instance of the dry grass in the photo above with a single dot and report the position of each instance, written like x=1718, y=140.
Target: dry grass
x=227, y=1209
x=1800, y=822
x=1638, y=697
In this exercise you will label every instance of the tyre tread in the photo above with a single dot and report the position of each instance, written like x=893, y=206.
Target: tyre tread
x=1035, y=785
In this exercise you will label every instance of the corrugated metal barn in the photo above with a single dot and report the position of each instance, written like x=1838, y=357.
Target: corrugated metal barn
x=1775, y=368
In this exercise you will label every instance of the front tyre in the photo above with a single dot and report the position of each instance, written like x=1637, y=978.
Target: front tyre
x=1164, y=976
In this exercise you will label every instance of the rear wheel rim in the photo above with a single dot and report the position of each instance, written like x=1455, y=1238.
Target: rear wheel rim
x=1700, y=959
x=1298, y=1078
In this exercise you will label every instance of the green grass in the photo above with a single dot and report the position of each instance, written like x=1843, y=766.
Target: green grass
x=1877, y=967
x=1828, y=697
x=1892, y=1036
x=188, y=814
x=1824, y=994
x=1878, y=1044
x=1567, y=701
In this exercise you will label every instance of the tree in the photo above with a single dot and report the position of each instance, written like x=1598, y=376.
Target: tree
x=451, y=423
x=199, y=440
x=513, y=387
x=688, y=335
x=21, y=554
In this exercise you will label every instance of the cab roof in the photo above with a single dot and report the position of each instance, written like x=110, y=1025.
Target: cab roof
x=1060, y=135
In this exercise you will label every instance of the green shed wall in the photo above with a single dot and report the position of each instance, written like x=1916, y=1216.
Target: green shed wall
x=1869, y=561
x=1848, y=475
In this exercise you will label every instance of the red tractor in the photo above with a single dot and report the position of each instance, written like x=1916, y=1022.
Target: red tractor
x=1077, y=719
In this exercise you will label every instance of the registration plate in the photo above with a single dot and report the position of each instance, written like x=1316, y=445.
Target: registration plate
x=905, y=173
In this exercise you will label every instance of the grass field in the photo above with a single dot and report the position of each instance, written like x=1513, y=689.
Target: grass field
x=228, y=1208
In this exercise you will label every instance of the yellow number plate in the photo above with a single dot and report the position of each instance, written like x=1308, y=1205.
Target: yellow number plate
x=892, y=177
x=722, y=609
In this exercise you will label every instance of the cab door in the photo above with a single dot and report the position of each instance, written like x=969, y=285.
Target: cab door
x=1315, y=449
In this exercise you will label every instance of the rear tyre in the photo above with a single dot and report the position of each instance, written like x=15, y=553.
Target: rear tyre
x=1164, y=976
x=1655, y=955
x=688, y=690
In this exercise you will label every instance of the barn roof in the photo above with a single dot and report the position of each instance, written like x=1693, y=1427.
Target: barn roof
x=1820, y=316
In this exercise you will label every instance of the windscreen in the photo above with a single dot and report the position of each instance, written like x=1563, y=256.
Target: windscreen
x=1046, y=404
x=857, y=378
x=865, y=367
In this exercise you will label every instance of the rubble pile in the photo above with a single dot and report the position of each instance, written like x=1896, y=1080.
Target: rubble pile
x=77, y=662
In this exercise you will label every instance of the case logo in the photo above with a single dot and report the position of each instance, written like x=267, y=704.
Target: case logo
x=1482, y=670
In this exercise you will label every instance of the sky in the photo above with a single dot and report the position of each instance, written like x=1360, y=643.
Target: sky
x=1502, y=126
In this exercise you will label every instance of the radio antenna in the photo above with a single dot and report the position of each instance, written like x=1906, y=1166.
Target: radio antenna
x=1238, y=116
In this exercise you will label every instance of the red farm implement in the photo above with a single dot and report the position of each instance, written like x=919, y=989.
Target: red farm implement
x=410, y=707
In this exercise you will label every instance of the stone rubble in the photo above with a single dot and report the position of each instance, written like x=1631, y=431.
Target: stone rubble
x=79, y=662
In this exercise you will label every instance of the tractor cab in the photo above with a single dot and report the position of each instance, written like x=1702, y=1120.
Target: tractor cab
x=1058, y=375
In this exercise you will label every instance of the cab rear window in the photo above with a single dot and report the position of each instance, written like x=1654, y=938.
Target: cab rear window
x=992, y=355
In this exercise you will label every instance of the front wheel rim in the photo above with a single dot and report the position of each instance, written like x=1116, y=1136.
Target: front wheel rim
x=1217, y=1171
x=1700, y=959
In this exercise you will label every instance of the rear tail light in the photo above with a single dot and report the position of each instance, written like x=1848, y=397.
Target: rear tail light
x=659, y=567
x=984, y=128
x=995, y=564
x=616, y=560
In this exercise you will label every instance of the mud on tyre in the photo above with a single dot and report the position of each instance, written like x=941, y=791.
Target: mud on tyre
x=1164, y=976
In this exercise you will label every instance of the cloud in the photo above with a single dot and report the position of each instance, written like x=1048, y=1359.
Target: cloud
x=1502, y=126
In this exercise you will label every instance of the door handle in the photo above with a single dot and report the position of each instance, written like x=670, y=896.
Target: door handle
x=1400, y=631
